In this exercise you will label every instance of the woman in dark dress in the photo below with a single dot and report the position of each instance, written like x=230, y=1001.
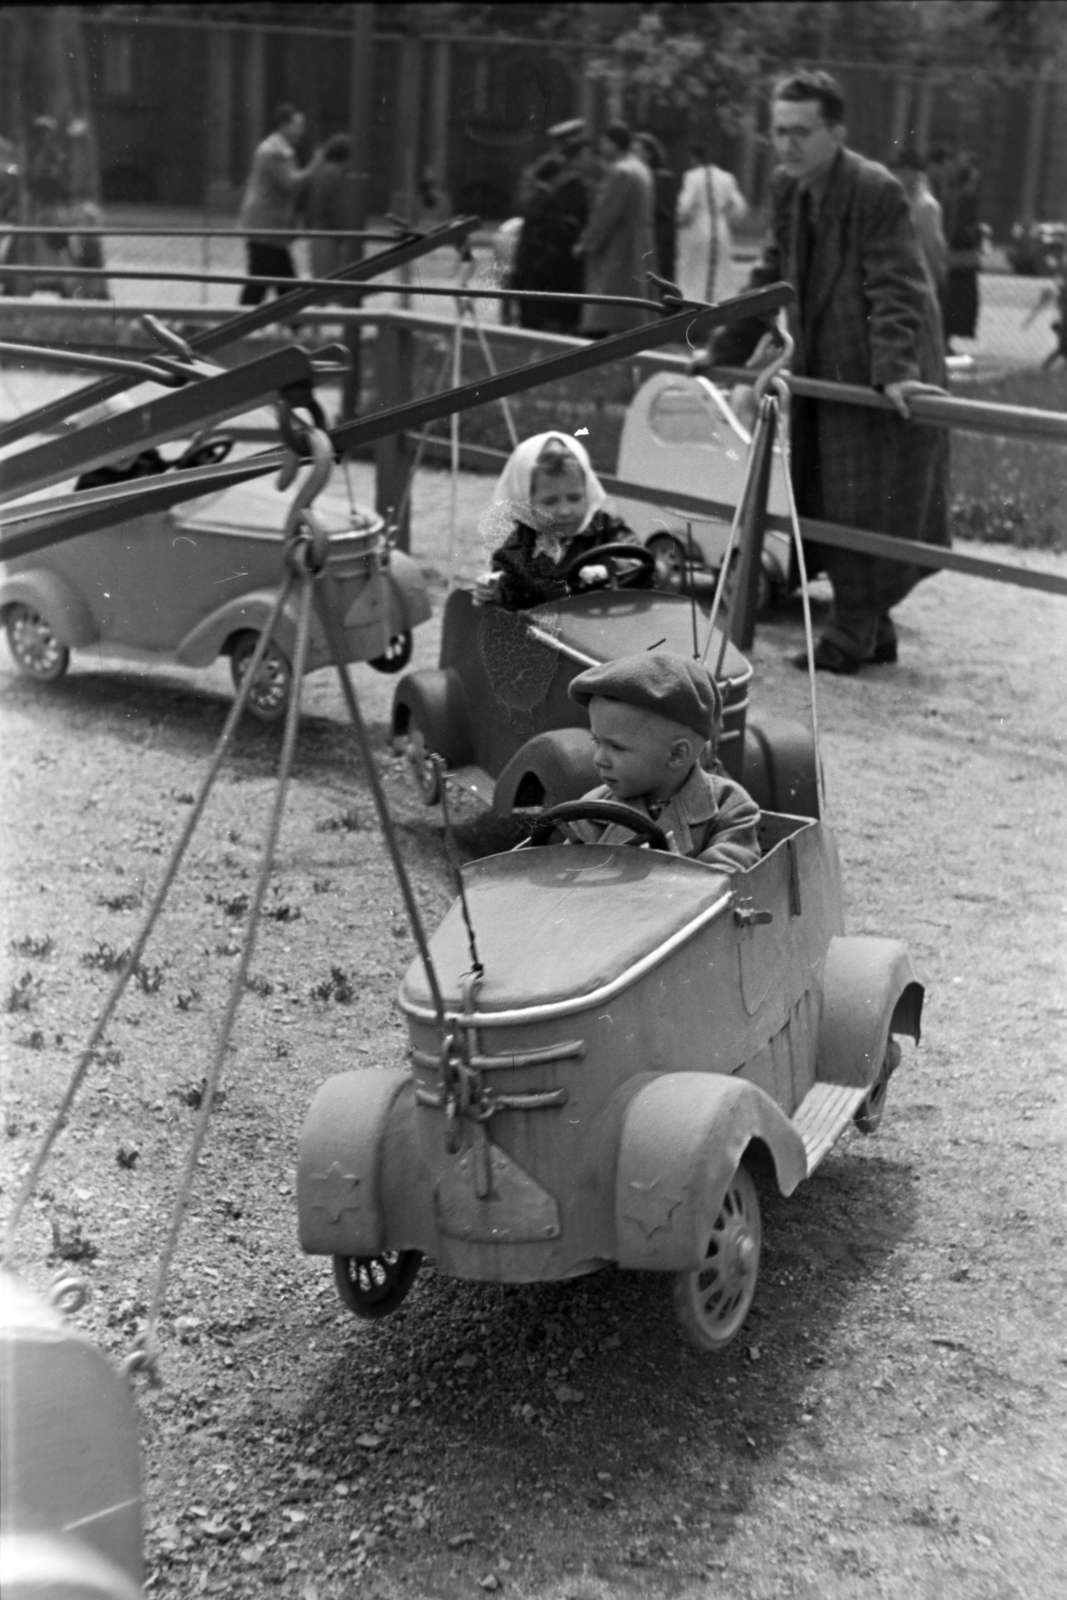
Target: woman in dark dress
x=959, y=198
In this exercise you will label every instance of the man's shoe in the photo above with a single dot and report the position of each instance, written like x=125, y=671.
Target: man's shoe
x=828, y=658
x=885, y=654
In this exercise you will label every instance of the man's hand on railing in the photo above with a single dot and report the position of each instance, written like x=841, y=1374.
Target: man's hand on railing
x=902, y=393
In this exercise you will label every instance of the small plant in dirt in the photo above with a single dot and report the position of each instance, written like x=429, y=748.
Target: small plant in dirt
x=186, y=999
x=322, y=885
x=106, y=957
x=23, y=994
x=344, y=822
x=127, y=1158
x=149, y=979
x=193, y=1096
x=186, y=798
x=259, y=985
x=127, y=900
x=234, y=905
x=70, y=1244
x=34, y=1040
x=107, y=1054
x=283, y=911
x=338, y=986
x=36, y=949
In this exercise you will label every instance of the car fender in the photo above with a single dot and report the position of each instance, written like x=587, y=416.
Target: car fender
x=407, y=587
x=339, y=1173
x=779, y=767
x=62, y=607
x=435, y=698
x=550, y=768
x=245, y=613
x=869, y=991
x=683, y=1136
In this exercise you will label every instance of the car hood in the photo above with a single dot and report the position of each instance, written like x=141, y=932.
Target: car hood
x=560, y=925
x=608, y=623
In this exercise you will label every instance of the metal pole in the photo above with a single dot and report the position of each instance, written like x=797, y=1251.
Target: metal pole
x=360, y=111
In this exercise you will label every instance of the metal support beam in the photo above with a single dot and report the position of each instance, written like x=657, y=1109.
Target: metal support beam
x=393, y=454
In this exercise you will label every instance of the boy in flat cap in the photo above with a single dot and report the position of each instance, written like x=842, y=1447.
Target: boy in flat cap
x=651, y=716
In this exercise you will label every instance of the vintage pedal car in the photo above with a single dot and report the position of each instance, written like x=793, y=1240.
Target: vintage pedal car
x=198, y=581
x=680, y=433
x=646, y=1035
x=69, y=1459
x=497, y=713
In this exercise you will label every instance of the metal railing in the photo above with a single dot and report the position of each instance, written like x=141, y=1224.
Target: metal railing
x=394, y=455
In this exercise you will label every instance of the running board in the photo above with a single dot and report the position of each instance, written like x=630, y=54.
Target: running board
x=823, y=1115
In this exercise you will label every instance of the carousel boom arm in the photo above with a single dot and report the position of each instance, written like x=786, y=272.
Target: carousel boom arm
x=246, y=322
x=199, y=403
x=26, y=529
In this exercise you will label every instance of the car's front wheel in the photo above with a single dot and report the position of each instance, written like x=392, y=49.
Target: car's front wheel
x=37, y=652
x=713, y=1302
x=269, y=696
x=395, y=656
x=373, y=1286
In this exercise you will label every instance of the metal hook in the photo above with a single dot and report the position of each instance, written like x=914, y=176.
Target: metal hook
x=779, y=364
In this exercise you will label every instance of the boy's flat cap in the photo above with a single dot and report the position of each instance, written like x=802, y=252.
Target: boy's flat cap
x=658, y=681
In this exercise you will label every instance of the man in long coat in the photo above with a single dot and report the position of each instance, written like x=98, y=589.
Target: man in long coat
x=842, y=234
x=619, y=244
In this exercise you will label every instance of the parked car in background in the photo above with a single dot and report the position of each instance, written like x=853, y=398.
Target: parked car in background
x=1038, y=249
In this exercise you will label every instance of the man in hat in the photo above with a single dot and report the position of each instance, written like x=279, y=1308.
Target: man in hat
x=651, y=716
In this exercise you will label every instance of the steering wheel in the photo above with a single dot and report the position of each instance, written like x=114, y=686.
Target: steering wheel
x=605, y=553
x=597, y=811
x=208, y=453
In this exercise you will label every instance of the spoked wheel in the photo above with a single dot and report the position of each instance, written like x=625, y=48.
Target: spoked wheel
x=274, y=680
x=37, y=651
x=395, y=656
x=373, y=1286
x=670, y=562
x=424, y=768
x=868, y=1114
x=713, y=1302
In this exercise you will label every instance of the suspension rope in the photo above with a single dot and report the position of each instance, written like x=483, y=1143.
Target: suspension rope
x=140, y=943
x=330, y=616
x=146, y=1346
x=451, y=851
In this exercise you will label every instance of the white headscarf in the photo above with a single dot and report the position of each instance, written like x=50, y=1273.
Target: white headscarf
x=513, y=487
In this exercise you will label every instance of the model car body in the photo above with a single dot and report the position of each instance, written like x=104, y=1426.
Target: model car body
x=680, y=433
x=71, y=1521
x=497, y=713
x=646, y=1035
x=198, y=581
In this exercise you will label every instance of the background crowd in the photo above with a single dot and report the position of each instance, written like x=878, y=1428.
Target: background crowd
x=600, y=217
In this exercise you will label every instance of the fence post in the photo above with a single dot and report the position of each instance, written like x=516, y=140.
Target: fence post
x=394, y=357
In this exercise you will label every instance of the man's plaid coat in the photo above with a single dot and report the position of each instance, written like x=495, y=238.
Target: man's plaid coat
x=866, y=314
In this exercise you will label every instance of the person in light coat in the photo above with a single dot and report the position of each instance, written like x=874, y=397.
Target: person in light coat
x=709, y=204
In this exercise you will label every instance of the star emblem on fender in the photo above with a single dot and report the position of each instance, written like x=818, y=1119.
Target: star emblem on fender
x=336, y=1203
x=651, y=1207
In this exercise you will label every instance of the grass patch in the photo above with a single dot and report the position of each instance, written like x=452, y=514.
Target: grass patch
x=1011, y=491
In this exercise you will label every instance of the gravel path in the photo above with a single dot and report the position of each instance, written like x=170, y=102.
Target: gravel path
x=892, y=1422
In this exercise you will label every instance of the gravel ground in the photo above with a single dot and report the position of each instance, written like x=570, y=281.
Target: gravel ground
x=891, y=1423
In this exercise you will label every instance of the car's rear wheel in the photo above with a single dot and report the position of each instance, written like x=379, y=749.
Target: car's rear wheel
x=424, y=766
x=269, y=697
x=869, y=1113
x=373, y=1286
x=37, y=652
x=713, y=1302
x=395, y=656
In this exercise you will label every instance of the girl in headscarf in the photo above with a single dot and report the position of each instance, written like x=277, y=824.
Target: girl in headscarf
x=556, y=508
